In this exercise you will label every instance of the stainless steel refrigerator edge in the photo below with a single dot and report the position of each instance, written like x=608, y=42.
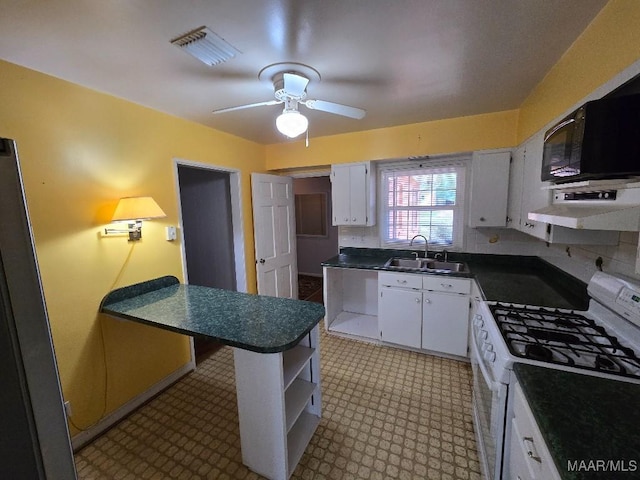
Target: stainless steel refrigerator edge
x=35, y=442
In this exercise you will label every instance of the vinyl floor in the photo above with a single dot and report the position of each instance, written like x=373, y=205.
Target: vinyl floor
x=387, y=414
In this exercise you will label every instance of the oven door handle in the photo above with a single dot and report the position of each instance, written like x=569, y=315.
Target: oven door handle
x=493, y=385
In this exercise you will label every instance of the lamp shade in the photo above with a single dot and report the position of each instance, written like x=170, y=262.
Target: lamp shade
x=137, y=208
x=291, y=123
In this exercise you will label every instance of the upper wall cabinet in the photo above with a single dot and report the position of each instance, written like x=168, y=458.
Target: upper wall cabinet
x=533, y=195
x=353, y=194
x=489, y=188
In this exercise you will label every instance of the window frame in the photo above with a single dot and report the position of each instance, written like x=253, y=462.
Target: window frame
x=459, y=164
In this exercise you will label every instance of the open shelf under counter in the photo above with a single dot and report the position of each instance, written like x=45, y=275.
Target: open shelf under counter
x=294, y=361
x=356, y=324
x=297, y=396
x=299, y=437
x=351, y=302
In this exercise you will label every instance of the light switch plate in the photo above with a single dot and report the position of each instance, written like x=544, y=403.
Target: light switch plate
x=171, y=233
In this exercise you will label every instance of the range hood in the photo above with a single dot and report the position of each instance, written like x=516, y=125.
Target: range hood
x=586, y=206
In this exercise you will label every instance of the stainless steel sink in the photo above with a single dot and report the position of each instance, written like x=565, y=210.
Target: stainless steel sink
x=417, y=263
x=446, y=266
x=425, y=264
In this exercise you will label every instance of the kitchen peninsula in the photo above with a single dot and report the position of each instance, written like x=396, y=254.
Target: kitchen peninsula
x=276, y=356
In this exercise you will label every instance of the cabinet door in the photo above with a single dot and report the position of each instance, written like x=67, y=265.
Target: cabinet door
x=400, y=316
x=516, y=181
x=359, y=198
x=533, y=195
x=445, y=323
x=489, y=189
x=340, y=194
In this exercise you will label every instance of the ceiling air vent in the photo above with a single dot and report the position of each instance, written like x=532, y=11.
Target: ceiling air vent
x=206, y=46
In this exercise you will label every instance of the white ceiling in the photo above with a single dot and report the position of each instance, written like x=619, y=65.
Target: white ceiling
x=403, y=61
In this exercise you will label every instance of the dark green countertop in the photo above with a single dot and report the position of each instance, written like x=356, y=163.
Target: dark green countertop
x=519, y=279
x=252, y=322
x=583, y=417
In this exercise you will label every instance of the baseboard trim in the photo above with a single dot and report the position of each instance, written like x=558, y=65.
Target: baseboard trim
x=319, y=275
x=83, y=438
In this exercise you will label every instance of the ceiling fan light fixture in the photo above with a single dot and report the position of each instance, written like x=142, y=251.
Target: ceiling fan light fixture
x=292, y=123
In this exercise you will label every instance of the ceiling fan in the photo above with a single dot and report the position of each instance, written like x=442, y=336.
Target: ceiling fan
x=290, y=82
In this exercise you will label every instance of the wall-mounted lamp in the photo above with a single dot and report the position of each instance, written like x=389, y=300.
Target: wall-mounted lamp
x=133, y=210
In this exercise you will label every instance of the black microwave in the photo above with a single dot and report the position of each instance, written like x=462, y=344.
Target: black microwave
x=601, y=139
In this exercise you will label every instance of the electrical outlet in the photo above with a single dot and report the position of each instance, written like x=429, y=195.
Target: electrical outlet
x=67, y=409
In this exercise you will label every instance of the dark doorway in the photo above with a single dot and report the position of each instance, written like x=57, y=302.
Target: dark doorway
x=205, y=201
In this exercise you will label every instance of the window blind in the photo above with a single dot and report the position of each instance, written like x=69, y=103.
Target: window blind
x=421, y=201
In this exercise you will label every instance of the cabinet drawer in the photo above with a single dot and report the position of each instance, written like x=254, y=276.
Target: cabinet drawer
x=404, y=280
x=527, y=435
x=442, y=283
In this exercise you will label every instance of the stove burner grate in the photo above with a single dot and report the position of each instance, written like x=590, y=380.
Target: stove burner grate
x=563, y=337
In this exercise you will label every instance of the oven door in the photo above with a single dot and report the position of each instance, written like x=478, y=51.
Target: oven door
x=489, y=412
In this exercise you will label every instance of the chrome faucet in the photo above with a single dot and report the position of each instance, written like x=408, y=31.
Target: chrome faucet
x=426, y=244
x=444, y=256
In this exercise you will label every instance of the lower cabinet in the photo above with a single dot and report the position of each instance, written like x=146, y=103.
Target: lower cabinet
x=445, y=323
x=400, y=316
x=429, y=312
x=527, y=457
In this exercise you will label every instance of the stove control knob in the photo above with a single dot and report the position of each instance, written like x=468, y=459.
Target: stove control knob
x=487, y=347
x=478, y=321
x=483, y=335
x=489, y=356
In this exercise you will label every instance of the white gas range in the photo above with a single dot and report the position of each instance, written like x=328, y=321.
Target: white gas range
x=602, y=341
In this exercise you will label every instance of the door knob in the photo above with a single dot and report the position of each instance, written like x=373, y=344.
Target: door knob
x=262, y=261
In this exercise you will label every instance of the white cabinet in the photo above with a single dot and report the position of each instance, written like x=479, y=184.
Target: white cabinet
x=516, y=183
x=445, y=323
x=429, y=312
x=489, y=188
x=400, y=309
x=445, y=315
x=526, y=192
x=353, y=194
x=279, y=405
x=527, y=457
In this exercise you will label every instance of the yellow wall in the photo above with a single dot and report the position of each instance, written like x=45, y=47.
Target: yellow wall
x=478, y=132
x=608, y=45
x=80, y=151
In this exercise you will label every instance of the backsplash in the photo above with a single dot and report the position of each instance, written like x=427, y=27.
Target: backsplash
x=579, y=260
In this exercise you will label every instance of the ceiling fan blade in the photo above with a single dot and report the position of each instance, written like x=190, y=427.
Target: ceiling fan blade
x=251, y=105
x=295, y=85
x=336, y=108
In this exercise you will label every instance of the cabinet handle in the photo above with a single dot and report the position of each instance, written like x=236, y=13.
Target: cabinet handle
x=446, y=285
x=426, y=300
x=417, y=300
x=530, y=451
x=401, y=281
x=482, y=219
x=346, y=219
x=354, y=219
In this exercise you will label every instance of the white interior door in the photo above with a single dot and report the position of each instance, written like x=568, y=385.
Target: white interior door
x=274, y=230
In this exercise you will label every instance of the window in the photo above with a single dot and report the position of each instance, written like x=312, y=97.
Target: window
x=422, y=201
